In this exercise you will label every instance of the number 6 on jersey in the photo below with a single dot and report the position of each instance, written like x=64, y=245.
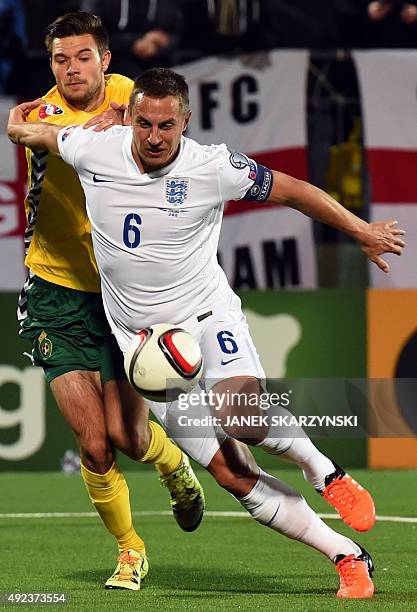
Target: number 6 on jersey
x=227, y=342
x=131, y=231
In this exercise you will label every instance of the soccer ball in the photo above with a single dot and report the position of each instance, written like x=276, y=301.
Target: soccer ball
x=163, y=361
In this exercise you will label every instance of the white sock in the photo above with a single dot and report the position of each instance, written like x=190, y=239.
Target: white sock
x=299, y=449
x=280, y=507
x=314, y=464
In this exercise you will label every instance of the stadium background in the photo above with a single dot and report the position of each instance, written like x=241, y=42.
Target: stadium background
x=339, y=118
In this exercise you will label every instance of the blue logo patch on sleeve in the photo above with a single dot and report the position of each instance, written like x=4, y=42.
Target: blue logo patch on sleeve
x=261, y=188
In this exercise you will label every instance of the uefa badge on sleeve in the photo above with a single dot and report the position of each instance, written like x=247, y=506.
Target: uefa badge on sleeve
x=239, y=160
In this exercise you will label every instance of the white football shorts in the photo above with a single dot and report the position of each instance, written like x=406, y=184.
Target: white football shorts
x=228, y=350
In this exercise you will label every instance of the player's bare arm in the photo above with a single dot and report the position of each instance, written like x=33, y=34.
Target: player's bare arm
x=375, y=238
x=39, y=136
x=32, y=135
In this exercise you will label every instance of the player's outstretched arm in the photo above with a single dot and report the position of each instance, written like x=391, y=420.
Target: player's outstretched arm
x=40, y=136
x=33, y=135
x=375, y=238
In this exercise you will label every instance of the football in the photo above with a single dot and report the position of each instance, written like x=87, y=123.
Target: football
x=163, y=361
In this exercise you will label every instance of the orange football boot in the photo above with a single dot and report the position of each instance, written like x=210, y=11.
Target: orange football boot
x=355, y=576
x=354, y=503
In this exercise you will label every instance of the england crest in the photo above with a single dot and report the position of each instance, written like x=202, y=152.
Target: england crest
x=176, y=190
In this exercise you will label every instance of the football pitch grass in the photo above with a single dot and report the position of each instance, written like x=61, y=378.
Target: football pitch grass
x=229, y=563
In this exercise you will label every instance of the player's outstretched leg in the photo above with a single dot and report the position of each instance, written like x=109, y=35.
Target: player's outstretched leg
x=132, y=567
x=268, y=500
x=278, y=506
x=352, y=501
x=187, y=496
x=273, y=503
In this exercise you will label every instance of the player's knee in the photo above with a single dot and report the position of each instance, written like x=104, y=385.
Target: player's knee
x=236, y=481
x=97, y=455
x=226, y=479
x=133, y=444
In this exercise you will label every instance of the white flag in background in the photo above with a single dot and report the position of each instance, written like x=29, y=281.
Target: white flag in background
x=257, y=105
x=388, y=84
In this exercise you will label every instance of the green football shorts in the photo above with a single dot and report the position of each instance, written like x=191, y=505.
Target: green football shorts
x=69, y=331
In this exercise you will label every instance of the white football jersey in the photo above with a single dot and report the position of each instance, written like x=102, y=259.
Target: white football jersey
x=155, y=235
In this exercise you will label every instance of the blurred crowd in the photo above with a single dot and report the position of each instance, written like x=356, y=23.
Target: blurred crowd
x=144, y=33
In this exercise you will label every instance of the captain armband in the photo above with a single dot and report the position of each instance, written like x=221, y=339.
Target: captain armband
x=263, y=180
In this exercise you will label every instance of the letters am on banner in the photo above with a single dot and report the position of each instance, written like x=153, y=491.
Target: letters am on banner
x=257, y=106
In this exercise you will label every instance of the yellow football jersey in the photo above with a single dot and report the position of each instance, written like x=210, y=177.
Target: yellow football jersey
x=58, y=234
